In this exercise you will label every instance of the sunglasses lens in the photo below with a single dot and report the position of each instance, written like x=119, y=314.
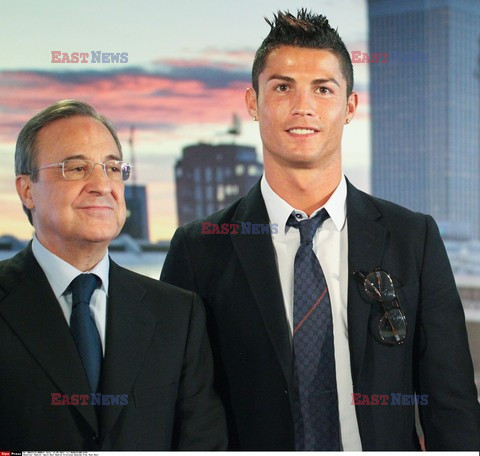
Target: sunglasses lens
x=379, y=286
x=393, y=326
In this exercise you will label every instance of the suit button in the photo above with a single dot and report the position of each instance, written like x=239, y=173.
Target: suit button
x=286, y=392
x=96, y=438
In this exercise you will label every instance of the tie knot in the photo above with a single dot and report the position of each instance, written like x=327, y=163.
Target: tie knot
x=83, y=287
x=307, y=227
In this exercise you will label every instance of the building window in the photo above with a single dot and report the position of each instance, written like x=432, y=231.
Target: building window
x=198, y=193
x=239, y=170
x=231, y=190
x=209, y=193
x=208, y=174
x=197, y=175
x=253, y=170
x=220, y=193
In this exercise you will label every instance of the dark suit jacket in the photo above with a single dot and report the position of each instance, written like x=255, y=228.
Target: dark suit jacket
x=157, y=352
x=237, y=277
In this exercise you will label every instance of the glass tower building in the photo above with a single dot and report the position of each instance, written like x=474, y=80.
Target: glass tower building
x=425, y=109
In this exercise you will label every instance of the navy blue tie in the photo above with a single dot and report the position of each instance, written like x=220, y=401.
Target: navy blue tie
x=316, y=402
x=83, y=328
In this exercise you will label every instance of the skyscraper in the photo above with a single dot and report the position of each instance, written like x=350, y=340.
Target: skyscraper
x=425, y=109
x=136, y=223
x=209, y=177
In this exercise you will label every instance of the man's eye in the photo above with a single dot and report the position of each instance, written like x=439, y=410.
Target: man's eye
x=282, y=88
x=75, y=169
x=114, y=168
x=324, y=90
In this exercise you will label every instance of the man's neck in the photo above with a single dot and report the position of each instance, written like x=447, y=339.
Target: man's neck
x=84, y=257
x=304, y=189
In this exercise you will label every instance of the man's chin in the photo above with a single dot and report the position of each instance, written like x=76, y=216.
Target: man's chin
x=101, y=236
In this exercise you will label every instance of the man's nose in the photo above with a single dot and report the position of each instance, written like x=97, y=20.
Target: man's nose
x=303, y=103
x=98, y=180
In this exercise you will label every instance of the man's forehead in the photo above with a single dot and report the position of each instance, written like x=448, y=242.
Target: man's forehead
x=301, y=49
x=73, y=122
x=294, y=63
x=77, y=130
x=288, y=56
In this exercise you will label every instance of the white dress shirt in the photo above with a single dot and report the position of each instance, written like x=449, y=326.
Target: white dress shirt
x=330, y=244
x=60, y=274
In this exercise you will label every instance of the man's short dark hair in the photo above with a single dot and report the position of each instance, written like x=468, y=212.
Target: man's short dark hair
x=307, y=30
x=26, y=148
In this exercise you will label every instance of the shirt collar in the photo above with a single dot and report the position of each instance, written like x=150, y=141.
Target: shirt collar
x=279, y=210
x=60, y=273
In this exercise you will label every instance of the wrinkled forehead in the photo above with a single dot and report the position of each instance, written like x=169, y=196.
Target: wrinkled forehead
x=75, y=136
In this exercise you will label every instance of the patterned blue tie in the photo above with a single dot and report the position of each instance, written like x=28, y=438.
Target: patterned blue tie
x=83, y=328
x=316, y=402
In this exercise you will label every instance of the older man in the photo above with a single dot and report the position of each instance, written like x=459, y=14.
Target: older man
x=93, y=356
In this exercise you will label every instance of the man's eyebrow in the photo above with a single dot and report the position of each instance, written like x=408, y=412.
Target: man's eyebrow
x=75, y=156
x=314, y=82
x=324, y=81
x=84, y=157
x=281, y=77
x=113, y=157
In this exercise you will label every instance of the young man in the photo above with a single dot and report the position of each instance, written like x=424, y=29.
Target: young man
x=93, y=356
x=349, y=304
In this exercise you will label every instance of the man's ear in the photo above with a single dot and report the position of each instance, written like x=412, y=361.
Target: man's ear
x=24, y=190
x=352, y=103
x=251, y=103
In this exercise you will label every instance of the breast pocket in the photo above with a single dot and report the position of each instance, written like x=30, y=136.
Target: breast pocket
x=407, y=298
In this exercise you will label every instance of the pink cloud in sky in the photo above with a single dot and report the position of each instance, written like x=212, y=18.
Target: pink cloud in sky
x=167, y=95
x=179, y=93
x=228, y=59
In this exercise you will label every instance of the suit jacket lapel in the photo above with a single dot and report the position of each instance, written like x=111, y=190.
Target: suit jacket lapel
x=130, y=328
x=366, y=244
x=257, y=257
x=34, y=314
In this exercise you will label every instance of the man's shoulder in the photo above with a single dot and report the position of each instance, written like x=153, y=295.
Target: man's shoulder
x=152, y=286
x=20, y=272
x=18, y=264
x=381, y=208
x=225, y=215
x=5, y=265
